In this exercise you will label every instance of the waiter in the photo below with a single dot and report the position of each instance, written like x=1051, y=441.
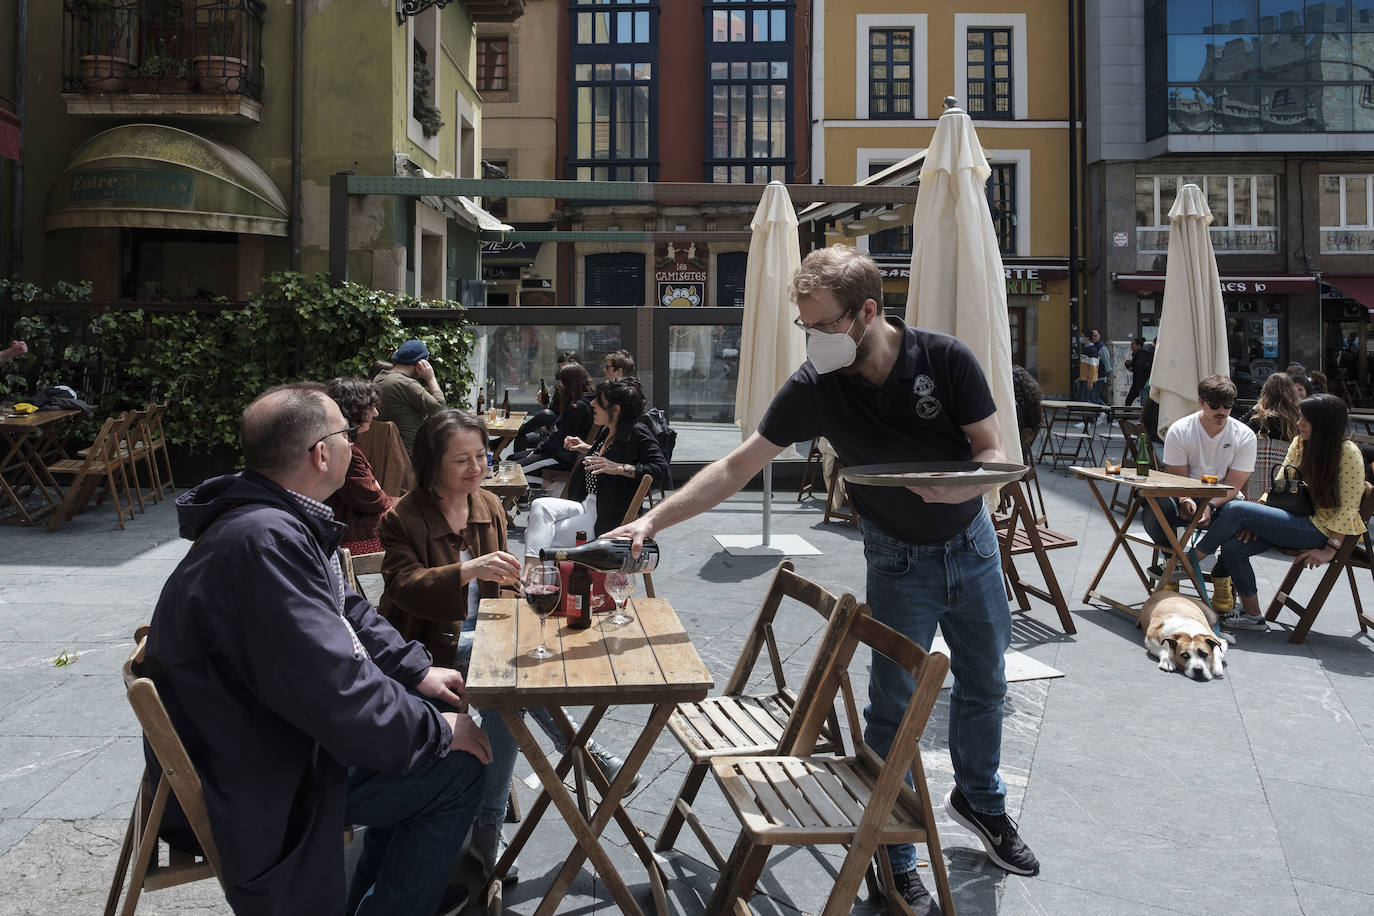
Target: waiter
x=882, y=392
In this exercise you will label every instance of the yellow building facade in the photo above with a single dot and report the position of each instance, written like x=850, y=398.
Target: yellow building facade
x=882, y=70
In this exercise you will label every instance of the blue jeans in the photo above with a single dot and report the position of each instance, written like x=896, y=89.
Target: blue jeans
x=1271, y=527
x=958, y=585
x=504, y=750
x=1096, y=395
x=416, y=824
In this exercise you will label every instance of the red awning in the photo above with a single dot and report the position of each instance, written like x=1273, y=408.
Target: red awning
x=1359, y=287
x=1247, y=285
x=9, y=135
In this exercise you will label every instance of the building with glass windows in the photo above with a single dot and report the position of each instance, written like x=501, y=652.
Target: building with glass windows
x=882, y=68
x=1268, y=106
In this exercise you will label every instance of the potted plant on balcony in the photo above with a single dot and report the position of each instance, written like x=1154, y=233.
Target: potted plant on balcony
x=223, y=68
x=162, y=73
x=103, y=30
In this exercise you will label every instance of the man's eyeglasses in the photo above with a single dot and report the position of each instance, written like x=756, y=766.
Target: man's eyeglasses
x=1221, y=405
x=351, y=433
x=825, y=327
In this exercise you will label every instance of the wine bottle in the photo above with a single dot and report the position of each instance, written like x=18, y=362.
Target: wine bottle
x=481, y=399
x=580, y=592
x=1142, y=458
x=607, y=554
x=505, y=405
x=543, y=394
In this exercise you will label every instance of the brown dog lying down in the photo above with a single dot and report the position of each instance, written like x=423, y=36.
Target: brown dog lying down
x=1178, y=631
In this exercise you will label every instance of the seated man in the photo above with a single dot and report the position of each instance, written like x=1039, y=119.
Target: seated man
x=1210, y=441
x=409, y=390
x=296, y=700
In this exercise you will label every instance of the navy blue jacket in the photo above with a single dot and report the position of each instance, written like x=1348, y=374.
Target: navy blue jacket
x=261, y=679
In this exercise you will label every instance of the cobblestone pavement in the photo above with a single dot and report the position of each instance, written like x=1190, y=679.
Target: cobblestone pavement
x=1141, y=792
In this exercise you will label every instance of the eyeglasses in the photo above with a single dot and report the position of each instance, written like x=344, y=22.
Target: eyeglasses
x=1221, y=405
x=825, y=327
x=351, y=433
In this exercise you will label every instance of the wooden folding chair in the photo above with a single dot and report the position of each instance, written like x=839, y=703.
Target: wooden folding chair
x=133, y=450
x=157, y=443
x=813, y=472
x=737, y=722
x=646, y=485
x=1020, y=532
x=178, y=775
x=103, y=463
x=859, y=801
x=1356, y=552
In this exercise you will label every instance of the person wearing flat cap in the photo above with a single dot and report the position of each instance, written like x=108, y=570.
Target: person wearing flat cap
x=409, y=391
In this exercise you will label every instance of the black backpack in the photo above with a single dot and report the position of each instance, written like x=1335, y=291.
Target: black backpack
x=657, y=422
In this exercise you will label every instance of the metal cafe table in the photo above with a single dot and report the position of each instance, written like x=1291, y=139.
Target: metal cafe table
x=24, y=457
x=1146, y=493
x=647, y=662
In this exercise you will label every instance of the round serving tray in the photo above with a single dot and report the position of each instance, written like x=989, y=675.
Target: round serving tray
x=934, y=474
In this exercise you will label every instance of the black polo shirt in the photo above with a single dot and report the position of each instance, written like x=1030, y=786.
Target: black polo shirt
x=935, y=387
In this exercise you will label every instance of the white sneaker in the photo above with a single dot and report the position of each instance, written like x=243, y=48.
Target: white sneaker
x=1239, y=620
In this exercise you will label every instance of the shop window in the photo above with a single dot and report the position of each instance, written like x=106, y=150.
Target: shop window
x=614, y=279
x=1244, y=210
x=1345, y=205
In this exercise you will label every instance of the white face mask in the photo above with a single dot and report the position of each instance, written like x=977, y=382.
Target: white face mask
x=829, y=352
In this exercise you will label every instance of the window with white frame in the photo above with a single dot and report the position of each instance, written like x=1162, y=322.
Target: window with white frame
x=1345, y=204
x=1244, y=211
x=890, y=66
x=991, y=65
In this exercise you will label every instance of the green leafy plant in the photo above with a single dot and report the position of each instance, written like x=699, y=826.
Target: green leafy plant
x=430, y=118
x=104, y=24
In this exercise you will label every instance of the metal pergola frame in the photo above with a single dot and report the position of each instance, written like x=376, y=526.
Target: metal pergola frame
x=343, y=186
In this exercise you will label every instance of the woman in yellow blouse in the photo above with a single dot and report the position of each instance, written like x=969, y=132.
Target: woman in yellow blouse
x=1334, y=471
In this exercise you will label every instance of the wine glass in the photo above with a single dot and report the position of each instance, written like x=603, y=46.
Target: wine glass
x=619, y=586
x=543, y=591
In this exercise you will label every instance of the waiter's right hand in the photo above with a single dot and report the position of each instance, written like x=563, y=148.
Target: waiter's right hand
x=468, y=736
x=637, y=531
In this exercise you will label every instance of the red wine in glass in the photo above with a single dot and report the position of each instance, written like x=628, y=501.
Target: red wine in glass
x=543, y=591
x=543, y=598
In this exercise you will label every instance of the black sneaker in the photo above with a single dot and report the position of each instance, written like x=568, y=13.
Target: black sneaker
x=997, y=833
x=915, y=894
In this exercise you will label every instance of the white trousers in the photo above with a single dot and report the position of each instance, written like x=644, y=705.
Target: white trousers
x=554, y=522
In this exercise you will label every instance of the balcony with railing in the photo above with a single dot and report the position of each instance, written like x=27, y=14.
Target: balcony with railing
x=150, y=58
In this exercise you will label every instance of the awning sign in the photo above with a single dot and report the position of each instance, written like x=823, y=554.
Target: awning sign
x=158, y=186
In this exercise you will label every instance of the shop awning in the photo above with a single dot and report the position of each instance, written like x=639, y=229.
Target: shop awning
x=159, y=177
x=1252, y=284
x=1359, y=287
x=9, y=135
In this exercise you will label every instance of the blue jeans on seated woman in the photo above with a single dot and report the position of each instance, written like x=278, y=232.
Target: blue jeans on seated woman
x=1271, y=528
x=956, y=585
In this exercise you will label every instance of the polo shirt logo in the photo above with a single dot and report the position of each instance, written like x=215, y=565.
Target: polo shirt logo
x=924, y=386
x=927, y=408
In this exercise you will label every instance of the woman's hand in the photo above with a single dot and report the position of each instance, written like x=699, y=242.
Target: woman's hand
x=574, y=444
x=600, y=464
x=1311, y=559
x=497, y=566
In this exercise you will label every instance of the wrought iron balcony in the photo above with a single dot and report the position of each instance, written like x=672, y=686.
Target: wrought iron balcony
x=172, y=57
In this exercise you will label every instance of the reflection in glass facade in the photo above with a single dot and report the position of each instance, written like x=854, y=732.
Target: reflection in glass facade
x=516, y=358
x=703, y=369
x=1259, y=66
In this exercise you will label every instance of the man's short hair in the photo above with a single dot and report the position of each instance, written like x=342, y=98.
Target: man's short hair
x=622, y=361
x=849, y=274
x=1217, y=389
x=281, y=425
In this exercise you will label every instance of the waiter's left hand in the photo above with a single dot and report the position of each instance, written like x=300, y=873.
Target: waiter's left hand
x=952, y=494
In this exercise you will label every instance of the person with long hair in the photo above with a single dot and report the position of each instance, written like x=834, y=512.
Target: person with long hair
x=361, y=501
x=446, y=549
x=1276, y=414
x=1029, y=397
x=573, y=390
x=623, y=452
x=1333, y=470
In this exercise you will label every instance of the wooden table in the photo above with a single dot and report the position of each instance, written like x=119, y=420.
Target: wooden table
x=1083, y=411
x=649, y=662
x=24, y=456
x=505, y=429
x=1145, y=491
x=508, y=490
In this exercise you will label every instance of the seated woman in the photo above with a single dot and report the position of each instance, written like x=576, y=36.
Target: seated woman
x=1333, y=469
x=1276, y=414
x=540, y=422
x=573, y=387
x=361, y=502
x=445, y=545
x=1029, y=397
x=601, y=490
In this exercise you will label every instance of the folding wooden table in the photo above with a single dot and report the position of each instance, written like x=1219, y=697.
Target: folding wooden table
x=509, y=489
x=24, y=457
x=648, y=662
x=1145, y=491
x=505, y=429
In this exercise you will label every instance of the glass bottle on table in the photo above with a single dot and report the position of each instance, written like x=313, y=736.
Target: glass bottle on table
x=543, y=396
x=1142, y=458
x=579, y=607
x=505, y=405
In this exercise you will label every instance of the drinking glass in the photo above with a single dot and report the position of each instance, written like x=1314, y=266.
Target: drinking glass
x=543, y=591
x=1209, y=474
x=619, y=586
x=507, y=470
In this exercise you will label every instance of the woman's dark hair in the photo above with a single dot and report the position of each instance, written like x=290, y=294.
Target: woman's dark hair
x=1321, y=454
x=576, y=382
x=432, y=441
x=355, y=397
x=1278, y=405
x=567, y=356
x=1305, y=388
x=626, y=394
x=1319, y=381
x=1028, y=397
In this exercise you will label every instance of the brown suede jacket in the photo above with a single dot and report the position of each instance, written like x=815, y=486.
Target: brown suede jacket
x=424, y=597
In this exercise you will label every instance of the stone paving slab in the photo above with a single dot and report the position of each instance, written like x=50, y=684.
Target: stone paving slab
x=1250, y=788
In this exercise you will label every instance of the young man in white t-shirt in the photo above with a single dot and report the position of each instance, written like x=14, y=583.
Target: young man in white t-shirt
x=1210, y=441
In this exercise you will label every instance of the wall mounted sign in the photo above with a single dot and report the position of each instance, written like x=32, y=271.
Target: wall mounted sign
x=158, y=186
